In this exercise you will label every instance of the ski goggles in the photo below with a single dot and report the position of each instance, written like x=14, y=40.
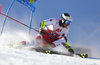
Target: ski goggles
x=68, y=22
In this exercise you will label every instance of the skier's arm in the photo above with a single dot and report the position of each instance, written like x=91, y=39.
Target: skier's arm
x=66, y=45
x=42, y=25
x=46, y=23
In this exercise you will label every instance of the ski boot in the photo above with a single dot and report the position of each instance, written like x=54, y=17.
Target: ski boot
x=19, y=44
x=47, y=48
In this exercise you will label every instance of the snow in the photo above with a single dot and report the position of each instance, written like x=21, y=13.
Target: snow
x=12, y=56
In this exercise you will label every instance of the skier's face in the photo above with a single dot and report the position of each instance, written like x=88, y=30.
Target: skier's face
x=65, y=25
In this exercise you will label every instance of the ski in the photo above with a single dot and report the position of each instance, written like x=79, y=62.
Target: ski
x=82, y=55
x=49, y=51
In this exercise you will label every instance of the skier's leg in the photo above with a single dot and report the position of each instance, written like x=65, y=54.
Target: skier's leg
x=38, y=39
x=43, y=40
x=62, y=42
x=22, y=44
x=58, y=42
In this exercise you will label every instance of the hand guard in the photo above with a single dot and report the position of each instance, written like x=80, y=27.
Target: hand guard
x=70, y=49
x=42, y=32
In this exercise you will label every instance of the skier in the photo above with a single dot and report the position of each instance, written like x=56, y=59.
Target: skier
x=54, y=32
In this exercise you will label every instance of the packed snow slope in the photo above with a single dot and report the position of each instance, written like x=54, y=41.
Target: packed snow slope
x=12, y=56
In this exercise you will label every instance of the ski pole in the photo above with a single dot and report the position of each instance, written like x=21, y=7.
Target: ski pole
x=19, y=22
x=0, y=8
x=24, y=24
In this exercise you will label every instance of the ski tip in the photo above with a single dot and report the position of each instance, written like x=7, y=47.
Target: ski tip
x=83, y=55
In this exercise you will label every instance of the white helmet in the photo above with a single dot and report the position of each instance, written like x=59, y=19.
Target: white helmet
x=65, y=17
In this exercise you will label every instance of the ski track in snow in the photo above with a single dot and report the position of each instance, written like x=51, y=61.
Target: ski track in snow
x=12, y=56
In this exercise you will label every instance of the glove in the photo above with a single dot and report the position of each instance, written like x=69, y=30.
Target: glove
x=42, y=32
x=70, y=49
